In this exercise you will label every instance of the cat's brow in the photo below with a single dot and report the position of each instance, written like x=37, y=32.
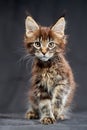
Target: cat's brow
x=38, y=39
x=41, y=39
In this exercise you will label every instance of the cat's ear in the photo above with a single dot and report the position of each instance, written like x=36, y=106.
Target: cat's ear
x=31, y=26
x=59, y=27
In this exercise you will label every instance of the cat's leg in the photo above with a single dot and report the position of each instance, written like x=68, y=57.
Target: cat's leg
x=59, y=100
x=32, y=113
x=33, y=108
x=47, y=116
x=66, y=113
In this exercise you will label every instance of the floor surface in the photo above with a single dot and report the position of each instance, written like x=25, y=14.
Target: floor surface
x=17, y=122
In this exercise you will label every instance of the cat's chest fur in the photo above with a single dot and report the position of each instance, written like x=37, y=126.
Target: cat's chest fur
x=50, y=78
x=48, y=75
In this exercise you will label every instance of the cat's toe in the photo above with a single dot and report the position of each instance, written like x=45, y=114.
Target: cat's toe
x=47, y=120
x=62, y=117
x=31, y=115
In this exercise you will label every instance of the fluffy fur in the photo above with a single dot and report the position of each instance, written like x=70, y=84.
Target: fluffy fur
x=53, y=85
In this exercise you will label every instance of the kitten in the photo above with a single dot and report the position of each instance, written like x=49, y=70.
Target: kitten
x=53, y=85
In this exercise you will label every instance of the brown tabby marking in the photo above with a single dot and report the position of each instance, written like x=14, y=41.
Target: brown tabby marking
x=53, y=86
x=31, y=115
x=47, y=120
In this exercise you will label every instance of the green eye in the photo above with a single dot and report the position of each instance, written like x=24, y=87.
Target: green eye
x=37, y=44
x=51, y=45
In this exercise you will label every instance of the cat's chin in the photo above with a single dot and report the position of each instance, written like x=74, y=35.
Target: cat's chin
x=44, y=59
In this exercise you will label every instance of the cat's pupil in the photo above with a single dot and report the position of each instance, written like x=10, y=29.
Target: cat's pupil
x=37, y=44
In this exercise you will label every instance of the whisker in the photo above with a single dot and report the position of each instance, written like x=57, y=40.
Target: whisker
x=30, y=60
x=24, y=58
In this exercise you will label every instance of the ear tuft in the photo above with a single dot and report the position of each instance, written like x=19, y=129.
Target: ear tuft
x=31, y=26
x=59, y=27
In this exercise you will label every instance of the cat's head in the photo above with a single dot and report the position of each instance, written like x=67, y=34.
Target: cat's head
x=44, y=42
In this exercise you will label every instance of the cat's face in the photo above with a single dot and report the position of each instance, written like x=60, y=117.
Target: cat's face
x=44, y=49
x=44, y=42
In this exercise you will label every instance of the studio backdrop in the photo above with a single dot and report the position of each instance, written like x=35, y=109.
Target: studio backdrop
x=14, y=73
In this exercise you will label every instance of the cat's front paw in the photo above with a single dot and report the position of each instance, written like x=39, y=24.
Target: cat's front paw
x=62, y=117
x=31, y=115
x=47, y=120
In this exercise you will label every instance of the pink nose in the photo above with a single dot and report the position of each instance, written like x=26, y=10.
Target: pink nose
x=44, y=50
x=43, y=53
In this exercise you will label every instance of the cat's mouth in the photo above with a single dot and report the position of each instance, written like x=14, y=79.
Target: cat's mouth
x=44, y=58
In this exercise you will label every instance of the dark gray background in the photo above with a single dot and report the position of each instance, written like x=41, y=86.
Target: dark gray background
x=13, y=73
